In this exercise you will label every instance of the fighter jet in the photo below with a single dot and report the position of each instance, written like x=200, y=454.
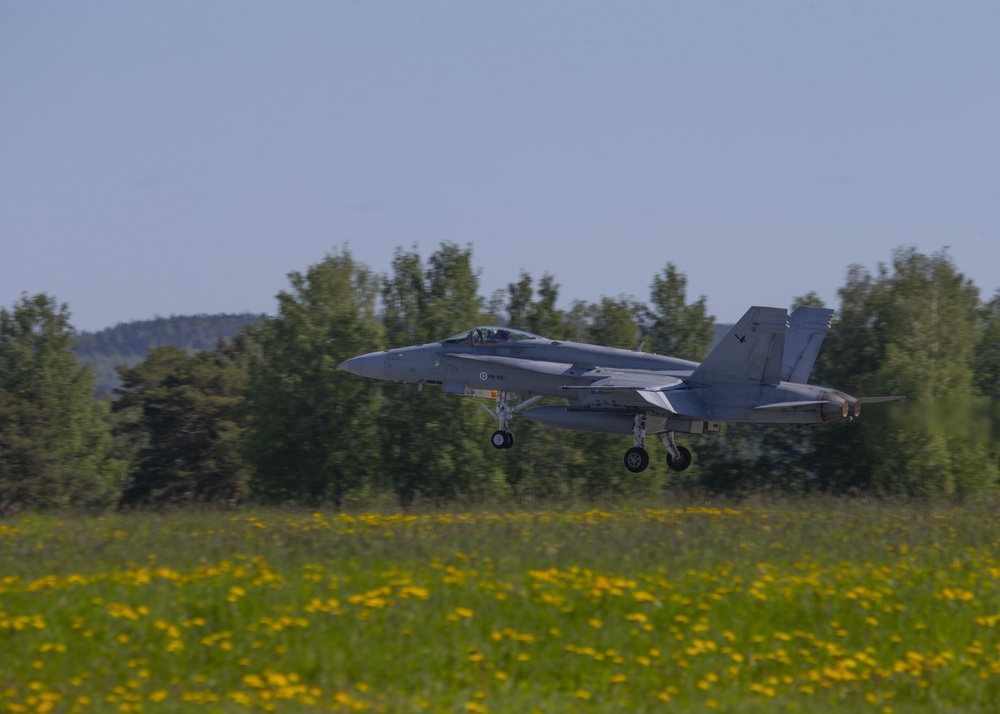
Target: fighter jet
x=757, y=373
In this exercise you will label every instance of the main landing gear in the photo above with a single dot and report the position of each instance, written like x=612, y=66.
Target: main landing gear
x=637, y=459
x=503, y=437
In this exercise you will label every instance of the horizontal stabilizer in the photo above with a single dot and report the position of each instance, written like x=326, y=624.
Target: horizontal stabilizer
x=807, y=328
x=751, y=353
x=792, y=406
x=879, y=400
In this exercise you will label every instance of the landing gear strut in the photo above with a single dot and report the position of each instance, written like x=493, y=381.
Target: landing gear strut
x=636, y=458
x=678, y=457
x=503, y=437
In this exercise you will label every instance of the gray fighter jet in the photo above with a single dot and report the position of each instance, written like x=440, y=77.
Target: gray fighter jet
x=757, y=374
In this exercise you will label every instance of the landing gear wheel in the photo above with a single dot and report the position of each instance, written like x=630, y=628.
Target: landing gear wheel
x=681, y=463
x=502, y=439
x=636, y=459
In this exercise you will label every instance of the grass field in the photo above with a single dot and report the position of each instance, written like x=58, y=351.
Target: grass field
x=763, y=606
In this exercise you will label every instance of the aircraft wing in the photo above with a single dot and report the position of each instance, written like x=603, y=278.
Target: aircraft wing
x=670, y=396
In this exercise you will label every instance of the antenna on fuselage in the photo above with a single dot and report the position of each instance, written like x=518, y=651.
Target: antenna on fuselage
x=641, y=345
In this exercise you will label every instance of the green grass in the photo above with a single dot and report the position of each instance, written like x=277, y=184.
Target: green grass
x=792, y=606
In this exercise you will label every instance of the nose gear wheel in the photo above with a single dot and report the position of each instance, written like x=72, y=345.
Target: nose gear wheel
x=503, y=438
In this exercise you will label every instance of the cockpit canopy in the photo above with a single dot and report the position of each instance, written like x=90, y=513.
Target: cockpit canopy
x=490, y=336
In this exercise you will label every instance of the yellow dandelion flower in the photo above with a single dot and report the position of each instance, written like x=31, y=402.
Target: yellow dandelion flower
x=241, y=698
x=276, y=679
x=253, y=680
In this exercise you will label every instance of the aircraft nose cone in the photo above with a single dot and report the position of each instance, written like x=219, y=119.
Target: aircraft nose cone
x=371, y=365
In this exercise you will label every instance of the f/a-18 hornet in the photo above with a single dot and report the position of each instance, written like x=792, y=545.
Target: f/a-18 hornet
x=757, y=374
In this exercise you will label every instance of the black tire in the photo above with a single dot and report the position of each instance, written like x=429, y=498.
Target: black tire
x=682, y=463
x=510, y=439
x=636, y=459
x=499, y=439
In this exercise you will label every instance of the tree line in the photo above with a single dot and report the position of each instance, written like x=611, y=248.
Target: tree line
x=267, y=416
x=128, y=343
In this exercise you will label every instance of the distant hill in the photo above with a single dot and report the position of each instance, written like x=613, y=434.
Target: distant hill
x=128, y=342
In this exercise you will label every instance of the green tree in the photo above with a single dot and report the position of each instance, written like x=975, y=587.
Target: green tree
x=615, y=323
x=312, y=428
x=434, y=445
x=188, y=422
x=674, y=327
x=519, y=297
x=911, y=330
x=986, y=361
x=546, y=462
x=540, y=316
x=55, y=439
x=576, y=323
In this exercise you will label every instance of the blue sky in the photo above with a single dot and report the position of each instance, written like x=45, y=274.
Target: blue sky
x=162, y=158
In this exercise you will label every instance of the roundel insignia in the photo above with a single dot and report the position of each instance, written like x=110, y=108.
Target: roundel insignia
x=483, y=376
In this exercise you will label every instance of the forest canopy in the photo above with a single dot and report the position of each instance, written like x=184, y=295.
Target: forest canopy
x=264, y=414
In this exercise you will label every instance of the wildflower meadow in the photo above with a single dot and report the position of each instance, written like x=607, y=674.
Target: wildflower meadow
x=751, y=607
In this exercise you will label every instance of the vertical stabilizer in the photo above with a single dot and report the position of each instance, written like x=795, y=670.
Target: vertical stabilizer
x=807, y=328
x=752, y=351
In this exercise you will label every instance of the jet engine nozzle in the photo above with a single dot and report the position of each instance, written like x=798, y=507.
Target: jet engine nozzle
x=835, y=409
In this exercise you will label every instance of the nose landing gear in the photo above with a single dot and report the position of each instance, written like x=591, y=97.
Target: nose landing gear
x=503, y=437
x=636, y=458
